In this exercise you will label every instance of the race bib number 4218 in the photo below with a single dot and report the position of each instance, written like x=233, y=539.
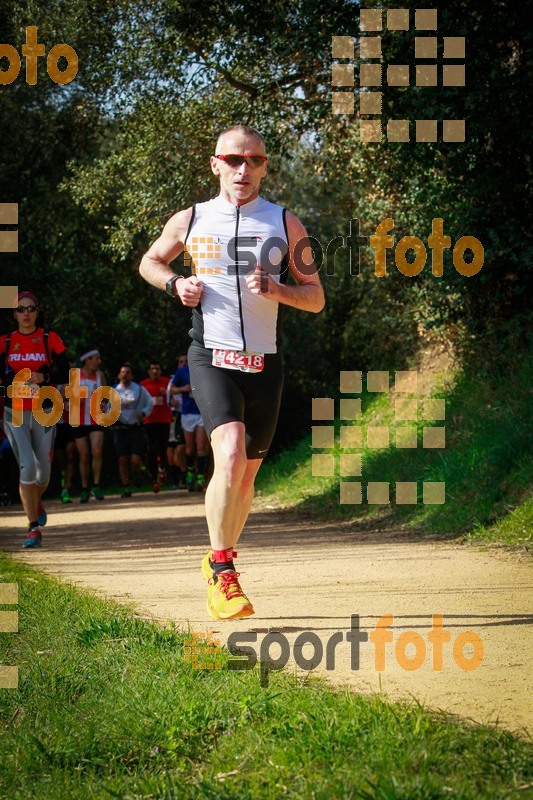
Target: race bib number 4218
x=239, y=359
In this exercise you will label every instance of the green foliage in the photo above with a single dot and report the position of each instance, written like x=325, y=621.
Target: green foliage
x=486, y=463
x=481, y=187
x=98, y=166
x=514, y=527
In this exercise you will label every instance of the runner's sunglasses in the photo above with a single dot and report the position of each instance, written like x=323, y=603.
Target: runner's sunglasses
x=235, y=161
x=22, y=309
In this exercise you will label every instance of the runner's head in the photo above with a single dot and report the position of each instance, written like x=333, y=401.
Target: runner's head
x=154, y=370
x=239, y=178
x=91, y=359
x=125, y=373
x=26, y=311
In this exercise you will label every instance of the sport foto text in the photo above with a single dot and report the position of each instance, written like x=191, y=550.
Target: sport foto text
x=438, y=636
x=20, y=390
x=247, y=260
x=31, y=51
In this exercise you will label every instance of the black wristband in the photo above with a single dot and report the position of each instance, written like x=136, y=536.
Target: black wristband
x=169, y=288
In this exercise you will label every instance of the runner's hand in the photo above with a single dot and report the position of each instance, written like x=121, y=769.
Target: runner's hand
x=260, y=282
x=189, y=291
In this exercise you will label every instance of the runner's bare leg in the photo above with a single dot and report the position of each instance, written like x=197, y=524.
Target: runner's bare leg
x=247, y=494
x=82, y=443
x=97, y=449
x=29, y=495
x=230, y=492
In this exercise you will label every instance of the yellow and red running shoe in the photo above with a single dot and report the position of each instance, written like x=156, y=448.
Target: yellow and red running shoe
x=225, y=598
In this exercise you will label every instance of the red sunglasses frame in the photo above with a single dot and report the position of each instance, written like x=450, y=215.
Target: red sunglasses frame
x=244, y=159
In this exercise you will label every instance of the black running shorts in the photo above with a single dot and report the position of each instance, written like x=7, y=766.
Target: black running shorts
x=64, y=436
x=130, y=440
x=229, y=395
x=81, y=431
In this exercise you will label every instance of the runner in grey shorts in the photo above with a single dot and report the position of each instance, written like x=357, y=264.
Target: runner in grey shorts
x=42, y=355
x=32, y=444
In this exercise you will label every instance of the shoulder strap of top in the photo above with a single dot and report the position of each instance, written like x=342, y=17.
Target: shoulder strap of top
x=191, y=223
x=46, y=348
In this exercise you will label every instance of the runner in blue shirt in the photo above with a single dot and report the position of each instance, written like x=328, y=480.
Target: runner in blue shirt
x=192, y=424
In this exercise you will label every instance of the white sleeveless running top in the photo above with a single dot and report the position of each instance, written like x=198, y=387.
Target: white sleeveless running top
x=223, y=244
x=92, y=385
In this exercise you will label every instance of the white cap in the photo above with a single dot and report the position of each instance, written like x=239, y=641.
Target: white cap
x=89, y=354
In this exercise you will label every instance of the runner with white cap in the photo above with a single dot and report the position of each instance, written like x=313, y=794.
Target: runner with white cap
x=88, y=434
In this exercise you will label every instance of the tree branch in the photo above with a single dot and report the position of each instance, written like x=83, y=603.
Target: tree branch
x=253, y=89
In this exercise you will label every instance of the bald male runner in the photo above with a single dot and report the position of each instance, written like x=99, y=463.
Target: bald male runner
x=241, y=249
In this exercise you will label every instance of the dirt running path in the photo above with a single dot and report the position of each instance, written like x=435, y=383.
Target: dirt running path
x=312, y=577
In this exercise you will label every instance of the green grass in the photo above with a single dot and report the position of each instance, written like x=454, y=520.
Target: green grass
x=108, y=707
x=486, y=464
x=513, y=529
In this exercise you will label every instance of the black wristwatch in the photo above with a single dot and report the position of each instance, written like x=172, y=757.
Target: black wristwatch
x=169, y=288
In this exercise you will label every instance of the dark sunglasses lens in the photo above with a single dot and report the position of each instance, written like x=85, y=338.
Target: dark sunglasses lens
x=234, y=161
x=22, y=309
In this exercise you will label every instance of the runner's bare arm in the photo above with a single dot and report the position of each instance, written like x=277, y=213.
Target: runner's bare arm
x=154, y=266
x=308, y=295
x=180, y=389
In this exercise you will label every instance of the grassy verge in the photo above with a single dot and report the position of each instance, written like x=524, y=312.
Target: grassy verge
x=513, y=529
x=108, y=707
x=486, y=463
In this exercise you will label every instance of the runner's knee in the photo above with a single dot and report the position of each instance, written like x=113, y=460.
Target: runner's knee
x=28, y=472
x=84, y=456
x=42, y=473
x=231, y=462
